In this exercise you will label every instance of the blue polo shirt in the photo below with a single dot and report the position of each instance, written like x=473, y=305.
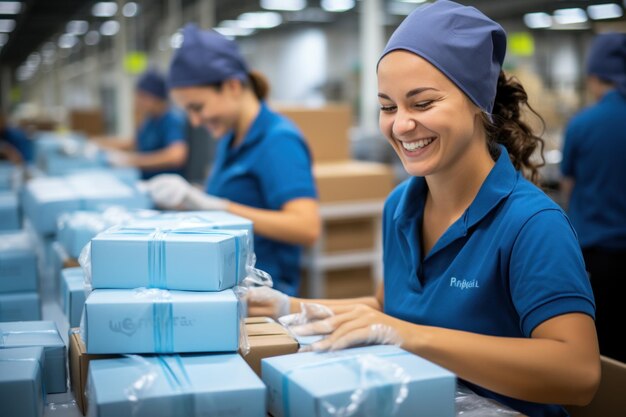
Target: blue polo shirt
x=594, y=155
x=269, y=168
x=509, y=263
x=157, y=133
x=18, y=139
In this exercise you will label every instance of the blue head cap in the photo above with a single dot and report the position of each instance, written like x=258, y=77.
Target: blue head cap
x=205, y=58
x=153, y=83
x=607, y=59
x=461, y=42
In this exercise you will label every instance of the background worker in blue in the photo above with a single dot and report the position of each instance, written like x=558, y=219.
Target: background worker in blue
x=594, y=166
x=15, y=145
x=482, y=271
x=159, y=145
x=262, y=168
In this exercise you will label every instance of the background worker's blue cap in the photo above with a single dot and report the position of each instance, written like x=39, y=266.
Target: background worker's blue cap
x=461, y=42
x=607, y=59
x=153, y=83
x=205, y=58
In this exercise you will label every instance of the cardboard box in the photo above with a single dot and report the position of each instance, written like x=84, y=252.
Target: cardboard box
x=346, y=235
x=160, y=321
x=325, y=129
x=9, y=211
x=21, y=389
x=311, y=384
x=18, y=263
x=46, y=335
x=72, y=292
x=345, y=283
x=266, y=338
x=79, y=367
x=87, y=121
x=175, y=385
x=352, y=180
x=19, y=306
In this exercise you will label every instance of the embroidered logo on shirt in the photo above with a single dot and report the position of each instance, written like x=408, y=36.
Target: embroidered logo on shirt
x=464, y=284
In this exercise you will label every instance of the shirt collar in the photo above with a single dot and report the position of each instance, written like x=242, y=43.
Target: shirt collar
x=255, y=132
x=497, y=186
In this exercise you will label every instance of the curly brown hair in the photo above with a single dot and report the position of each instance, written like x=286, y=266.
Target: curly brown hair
x=508, y=128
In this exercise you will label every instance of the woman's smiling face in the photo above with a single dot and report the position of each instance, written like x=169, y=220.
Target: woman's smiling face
x=426, y=118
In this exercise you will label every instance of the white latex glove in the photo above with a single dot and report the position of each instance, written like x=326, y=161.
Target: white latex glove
x=267, y=302
x=119, y=158
x=196, y=199
x=168, y=190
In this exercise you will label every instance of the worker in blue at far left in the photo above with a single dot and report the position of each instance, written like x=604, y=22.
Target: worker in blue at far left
x=159, y=145
x=262, y=167
x=483, y=273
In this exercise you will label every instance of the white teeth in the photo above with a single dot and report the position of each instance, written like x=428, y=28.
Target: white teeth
x=411, y=146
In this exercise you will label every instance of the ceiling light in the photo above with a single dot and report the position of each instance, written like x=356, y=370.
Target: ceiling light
x=10, y=7
x=413, y=1
x=3, y=39
x=104, y=9
x=130, y=9
x=231, y=32
x=311, y=14
x=176, y=40
x=67, y=40
x=109, y=28
x=570, y=16
x=289, y=5
x=92, y=37
x=337, y=5
x=605, y=11
x=260, y=20
x=400, y=8
x=7, y=25
x=537, y=20
x=77, y=27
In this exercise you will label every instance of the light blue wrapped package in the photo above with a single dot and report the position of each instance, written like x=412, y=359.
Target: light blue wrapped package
x=22, y=392
x=9, y=211
x=160, y=321
x=175, y=385
x=20, y=306
x=44, y=334
x=18, y=263
x=73, y=294
x=371, y=381
x=184, y=258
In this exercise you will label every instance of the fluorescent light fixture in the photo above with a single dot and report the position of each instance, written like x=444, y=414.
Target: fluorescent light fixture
x=4, y=38
x=77, y=27
x=176, y=40
x=401, y=8
x=537, y=20
x=553, y=156
x=33, y=60
x=67, y=40
x=310, y=14
x=231, y=32
x=130, y=9
x=92, y=37
x=605, y=11
x=260, y=20
x=109, y=28
x=7, y=25
x=10, y=7
x=104, y=9
x=47, y=50
x=337, y=5
x=413, y=1
x=570, y=16
x=288, y=5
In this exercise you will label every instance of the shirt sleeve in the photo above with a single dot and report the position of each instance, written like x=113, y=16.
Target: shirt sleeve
x=547, y=271
x=174, y=129
x=284, y=169
x=569, y=150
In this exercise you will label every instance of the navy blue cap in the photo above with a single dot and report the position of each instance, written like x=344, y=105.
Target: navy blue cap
x=461, y=42
x=153, y=83
x=205, y=58
x=607, y=59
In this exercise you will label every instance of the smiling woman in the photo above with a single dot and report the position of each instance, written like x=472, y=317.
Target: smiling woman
x=482, y=271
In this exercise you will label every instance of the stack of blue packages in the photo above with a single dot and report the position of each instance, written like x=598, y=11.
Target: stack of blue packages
x=10, y=176
x=19, y=299
x=168, y=286
x=9, y=211
x=22, y=388
x=61, y=154
x=43, y=334
x=72, y=294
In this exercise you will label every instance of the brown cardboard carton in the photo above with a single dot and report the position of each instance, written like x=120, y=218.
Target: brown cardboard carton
x=70, y=263
x=352, y=180
x=79, y=366
x=344, y=283
x=266, y=339
x=347, y=235
x=87, y=121
x=325, y=129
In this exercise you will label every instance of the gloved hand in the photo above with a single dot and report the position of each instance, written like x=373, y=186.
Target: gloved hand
x=267, y=302
x=350, y=326
x=171, y=191
x=117, y=158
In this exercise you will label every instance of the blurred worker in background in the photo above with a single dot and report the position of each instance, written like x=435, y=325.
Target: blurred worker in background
x=262, y=167
x=594, y=169
x=159, y=145
x=15, y=145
